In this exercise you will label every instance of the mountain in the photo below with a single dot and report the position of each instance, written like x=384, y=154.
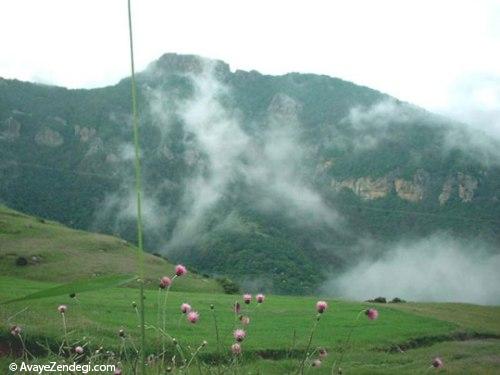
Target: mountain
x=276, y=181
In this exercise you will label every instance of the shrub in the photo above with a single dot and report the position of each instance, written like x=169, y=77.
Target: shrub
x=378, y=300
x=21, y=261
x=228, y=285
x=398, y=300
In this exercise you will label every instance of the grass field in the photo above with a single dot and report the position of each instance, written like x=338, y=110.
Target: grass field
x=403, y=340
x=60, y=254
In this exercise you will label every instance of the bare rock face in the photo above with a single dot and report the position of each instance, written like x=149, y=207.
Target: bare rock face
x=407, y=190
x=446, y=191
x=466, y=186
x=284, y=106
x=365, y=187
x=84, y=133
x=95, y=145
x=11, y=129
x=49, y=137
x=412, y=191
x=368, y=188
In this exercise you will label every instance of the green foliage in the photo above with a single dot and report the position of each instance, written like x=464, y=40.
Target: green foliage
x=228, y=285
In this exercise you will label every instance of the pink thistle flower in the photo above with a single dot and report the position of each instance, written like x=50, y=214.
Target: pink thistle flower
x=247, y=298
x=260, y=298
x=118, y=371
x=372, y=314
x=437, y=362
x=236, y=348
x=79, y=350
x=185, y=308
x=193, y=316
x=165, y=282
x=321, y=306
x=239, y=335
x=322, y=353
x=15, y=330
x=237, y=307
x=316, y=363
x=245, y=320
x=180, y=270
x=62, y=308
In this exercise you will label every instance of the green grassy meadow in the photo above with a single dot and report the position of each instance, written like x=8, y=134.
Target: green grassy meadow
x=404, y=339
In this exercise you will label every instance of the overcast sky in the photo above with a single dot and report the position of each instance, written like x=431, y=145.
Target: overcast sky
x=442, y=55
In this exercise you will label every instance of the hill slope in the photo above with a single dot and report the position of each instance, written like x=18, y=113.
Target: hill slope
x=36, y=249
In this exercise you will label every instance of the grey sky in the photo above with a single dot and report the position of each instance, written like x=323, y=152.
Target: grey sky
x=442, y=55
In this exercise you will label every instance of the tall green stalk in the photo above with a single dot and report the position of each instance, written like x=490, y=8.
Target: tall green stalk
x=138, y=189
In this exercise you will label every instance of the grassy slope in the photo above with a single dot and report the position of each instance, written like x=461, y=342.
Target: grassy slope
x=278, y=325
x=66, y=254
x=98, y=316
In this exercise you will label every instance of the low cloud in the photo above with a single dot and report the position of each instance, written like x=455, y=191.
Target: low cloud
x=433, y=269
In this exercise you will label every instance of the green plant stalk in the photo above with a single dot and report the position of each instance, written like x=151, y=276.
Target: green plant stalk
x=138, y=189
x=25, y=351
x=217, y=337
x=164, y=317
x=344, y=348
x=65, y=342
x=316, y=321
x=193, y=356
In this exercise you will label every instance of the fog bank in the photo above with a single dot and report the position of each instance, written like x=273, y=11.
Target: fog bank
x=434, y=269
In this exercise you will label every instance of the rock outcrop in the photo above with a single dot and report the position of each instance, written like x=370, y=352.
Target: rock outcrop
x=446, y=191
x=10, y=130
x=370, y=188
x=412, y=191
x=49, y=137
x=84, y=133
x=466, y=186
x=365, y=187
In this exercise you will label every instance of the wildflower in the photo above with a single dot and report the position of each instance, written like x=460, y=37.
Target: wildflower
x=118, y=371
x=437, y=362
x=165, y=282
x=322, y=353
x=236, y=348
x=79, y=350
x=121, y=333
x=247, y=298
x=62, y=308
x=239, y=335
x=237, y=307
x=15, y=330
x=204, y=343
x=180, y=270
x=372, y=314
x=316, y=363
x=260, y=298
x=185, y=308
x=245, y=320
x=134, y=304
x=321, y=306
x=193, y=316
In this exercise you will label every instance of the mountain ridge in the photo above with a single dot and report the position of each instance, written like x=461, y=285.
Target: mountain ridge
x=240, y=168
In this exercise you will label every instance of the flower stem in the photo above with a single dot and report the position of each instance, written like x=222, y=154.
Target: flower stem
x=194, y=355
x=212, y=307
x=316, y=321
x=344, y=347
